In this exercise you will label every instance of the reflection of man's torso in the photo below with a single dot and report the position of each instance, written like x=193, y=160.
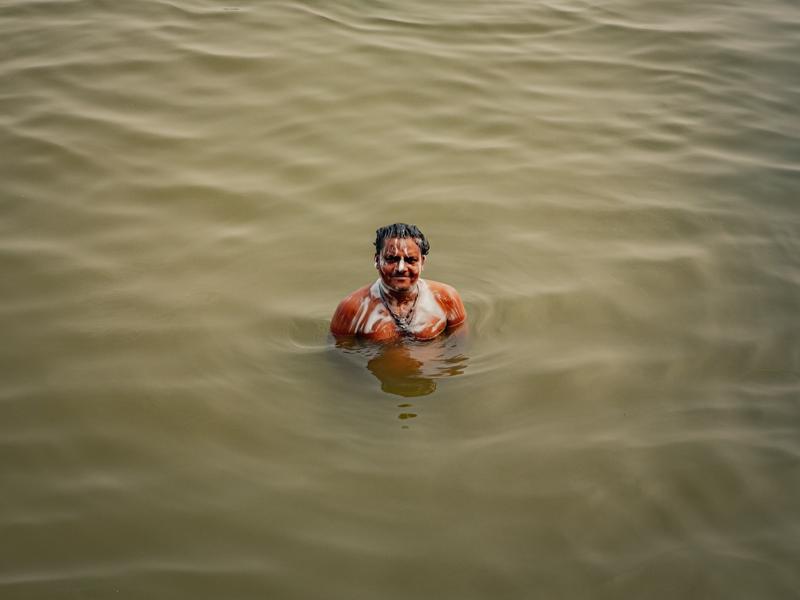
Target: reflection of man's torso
x=410, y=368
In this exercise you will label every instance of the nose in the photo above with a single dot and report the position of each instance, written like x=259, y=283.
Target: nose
x=401, y=267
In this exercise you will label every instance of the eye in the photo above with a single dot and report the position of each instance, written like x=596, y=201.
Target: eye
x=411, y=260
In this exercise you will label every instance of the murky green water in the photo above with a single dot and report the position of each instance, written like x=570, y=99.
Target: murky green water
x=189, y=188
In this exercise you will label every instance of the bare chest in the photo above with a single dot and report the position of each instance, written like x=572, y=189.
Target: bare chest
x=377, y=322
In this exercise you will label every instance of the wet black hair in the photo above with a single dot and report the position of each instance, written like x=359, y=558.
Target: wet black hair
x=401, y=230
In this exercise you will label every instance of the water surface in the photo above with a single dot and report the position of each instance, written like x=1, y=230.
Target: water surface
x=189, y=189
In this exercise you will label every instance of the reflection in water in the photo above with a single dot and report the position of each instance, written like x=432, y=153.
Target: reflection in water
x=408, y=367
x=400, y=372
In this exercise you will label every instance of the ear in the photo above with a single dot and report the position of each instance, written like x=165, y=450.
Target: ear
x=375, y=261
x=422, y=262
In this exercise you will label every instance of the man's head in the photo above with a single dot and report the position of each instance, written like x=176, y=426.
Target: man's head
x=401, y=230
x=400, y=251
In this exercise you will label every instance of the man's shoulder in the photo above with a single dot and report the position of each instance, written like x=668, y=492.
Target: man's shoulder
x=442, y=289
x=342, y=322
x=354, y=299
x=449, y=300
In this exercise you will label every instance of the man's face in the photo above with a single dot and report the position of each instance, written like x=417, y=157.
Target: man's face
x=400, y=263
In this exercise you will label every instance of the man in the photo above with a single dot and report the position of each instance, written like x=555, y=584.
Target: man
x=399, y=303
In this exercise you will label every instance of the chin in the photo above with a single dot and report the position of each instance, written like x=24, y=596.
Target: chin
x=402, y=285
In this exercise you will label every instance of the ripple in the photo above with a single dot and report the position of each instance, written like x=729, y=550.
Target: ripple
x=193, y=186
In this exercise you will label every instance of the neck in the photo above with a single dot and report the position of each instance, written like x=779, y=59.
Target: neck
x=399, y=296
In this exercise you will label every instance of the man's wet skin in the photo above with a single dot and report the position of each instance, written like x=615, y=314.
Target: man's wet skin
x=399, y=303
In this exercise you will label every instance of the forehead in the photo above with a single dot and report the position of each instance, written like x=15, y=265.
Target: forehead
x=400, y=247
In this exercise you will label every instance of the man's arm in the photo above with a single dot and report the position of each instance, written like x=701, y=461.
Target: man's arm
x=344, y=321
x=457, y=315
x=341, y=323
x=451, y=302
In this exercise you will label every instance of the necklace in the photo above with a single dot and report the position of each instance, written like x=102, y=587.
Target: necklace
x=403, y=323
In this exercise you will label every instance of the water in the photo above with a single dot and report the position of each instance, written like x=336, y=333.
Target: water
x=189, y=189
